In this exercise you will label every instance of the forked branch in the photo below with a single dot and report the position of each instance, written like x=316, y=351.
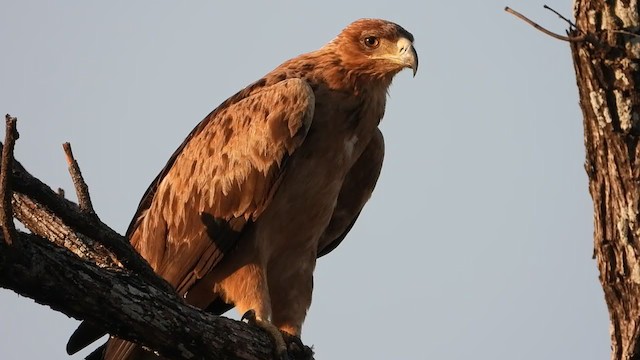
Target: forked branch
x=579, y=38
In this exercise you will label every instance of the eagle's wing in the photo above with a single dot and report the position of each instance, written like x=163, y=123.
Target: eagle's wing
x=219, y=180
x=356, y=190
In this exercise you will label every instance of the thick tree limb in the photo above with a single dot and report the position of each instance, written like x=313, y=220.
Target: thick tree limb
x=43, y=223
x=606, y=53
x=608, y=78
x=87, y=224
x=126, y=305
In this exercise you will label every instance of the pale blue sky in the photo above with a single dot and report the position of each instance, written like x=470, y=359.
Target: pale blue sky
x=477, y=242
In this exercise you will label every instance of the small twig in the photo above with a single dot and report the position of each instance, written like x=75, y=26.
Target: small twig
x=6, y=210
x=552, y=34
x=625, y=32
x=574, y=26
x=571, y=24
x=82, y=190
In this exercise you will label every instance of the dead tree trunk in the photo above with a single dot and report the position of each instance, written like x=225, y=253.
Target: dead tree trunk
x=606, y=53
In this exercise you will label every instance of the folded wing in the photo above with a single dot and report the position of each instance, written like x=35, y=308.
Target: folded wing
x=216, y=183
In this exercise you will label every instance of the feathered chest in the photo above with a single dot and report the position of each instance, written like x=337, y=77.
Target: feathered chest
x=343, y=124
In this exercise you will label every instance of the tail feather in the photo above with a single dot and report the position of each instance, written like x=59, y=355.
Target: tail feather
x=86, y=334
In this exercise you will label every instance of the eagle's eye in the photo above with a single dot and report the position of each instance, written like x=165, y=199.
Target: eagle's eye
x=371, y=42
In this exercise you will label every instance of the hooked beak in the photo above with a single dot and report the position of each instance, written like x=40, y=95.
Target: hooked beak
x=407, y=54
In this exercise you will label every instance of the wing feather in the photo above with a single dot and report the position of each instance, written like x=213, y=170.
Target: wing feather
x=219, y=180
x=219, y=172
x=356, y=191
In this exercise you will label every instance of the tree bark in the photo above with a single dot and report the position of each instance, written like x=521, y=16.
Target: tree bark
x=79, y=266
x=608, y=74
x=124, y=304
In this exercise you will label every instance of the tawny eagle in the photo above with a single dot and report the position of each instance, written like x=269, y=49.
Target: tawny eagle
x=270, y=180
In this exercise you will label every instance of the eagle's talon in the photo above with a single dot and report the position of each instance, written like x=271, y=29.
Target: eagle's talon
x=272, y=330
x=250, y=316
x=295, y=345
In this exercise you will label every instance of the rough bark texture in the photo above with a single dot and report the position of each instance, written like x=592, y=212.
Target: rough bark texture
x=79, y=266
x=124, y=304
x=608, y=76
x=87, y=224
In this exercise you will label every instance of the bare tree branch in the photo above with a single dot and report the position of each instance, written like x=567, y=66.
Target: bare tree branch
x=6, y=212
x=80, y=222
x=82, y=190
x=571, y=24
x=550, y=33
x=128, y=306
x=41, y=222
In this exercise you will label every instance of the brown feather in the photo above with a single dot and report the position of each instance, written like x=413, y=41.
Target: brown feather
x=356, y=190
x=272, y=178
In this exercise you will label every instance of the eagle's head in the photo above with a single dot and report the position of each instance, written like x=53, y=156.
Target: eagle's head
x=375, y=48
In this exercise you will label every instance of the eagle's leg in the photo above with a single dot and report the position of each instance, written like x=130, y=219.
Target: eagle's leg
x=272, y=330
